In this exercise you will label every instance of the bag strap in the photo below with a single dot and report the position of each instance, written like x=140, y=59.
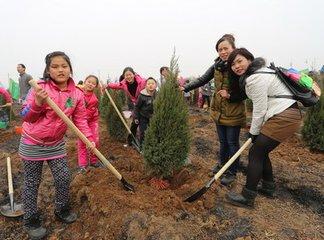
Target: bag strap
x=276, y=96
x=283, y=96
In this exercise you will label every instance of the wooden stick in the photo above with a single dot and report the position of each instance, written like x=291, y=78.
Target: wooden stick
x=9, y=176
x=118, y=112
x=232, y=159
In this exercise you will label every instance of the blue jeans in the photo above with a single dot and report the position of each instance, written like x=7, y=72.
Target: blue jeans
x=229, y=144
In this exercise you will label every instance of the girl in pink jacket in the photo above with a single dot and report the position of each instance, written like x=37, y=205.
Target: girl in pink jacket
x=5, y=104
x=132, y=85
x=92, y=116
x=43, y=140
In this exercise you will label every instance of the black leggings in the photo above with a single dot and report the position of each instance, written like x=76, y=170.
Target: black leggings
x=259, y=166
x=33, y=177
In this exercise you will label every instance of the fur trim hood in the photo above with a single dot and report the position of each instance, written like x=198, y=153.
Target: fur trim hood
x=256, y=64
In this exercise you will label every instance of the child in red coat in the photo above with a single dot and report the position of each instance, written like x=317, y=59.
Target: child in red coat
x=92, y=117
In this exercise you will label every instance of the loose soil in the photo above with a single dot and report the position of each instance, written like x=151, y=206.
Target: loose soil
x=107, y=211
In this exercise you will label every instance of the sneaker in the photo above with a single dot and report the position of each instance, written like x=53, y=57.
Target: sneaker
x=96, y=165
x=33, y=226
x=65, y=215
x=82, y=170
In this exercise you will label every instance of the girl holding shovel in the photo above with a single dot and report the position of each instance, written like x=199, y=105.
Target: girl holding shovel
x=132, y=84
x=43, y=140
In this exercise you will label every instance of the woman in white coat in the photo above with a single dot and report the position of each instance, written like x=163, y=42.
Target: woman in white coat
x=274, y=119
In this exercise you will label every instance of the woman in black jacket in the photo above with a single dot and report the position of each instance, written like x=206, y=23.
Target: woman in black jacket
x=227, y=110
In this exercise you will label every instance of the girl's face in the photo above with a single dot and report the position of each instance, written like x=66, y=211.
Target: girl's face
x=129, y=76
x=165, y=73
x=90, y=84
x=59, y=70
x=150, y=85
x=240, y=65
x=224, y=50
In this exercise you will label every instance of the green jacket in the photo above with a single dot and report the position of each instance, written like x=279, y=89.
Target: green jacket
x=228, y=112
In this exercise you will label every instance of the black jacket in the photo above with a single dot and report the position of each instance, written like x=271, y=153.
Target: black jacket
x=144, y=105
x=236, y=95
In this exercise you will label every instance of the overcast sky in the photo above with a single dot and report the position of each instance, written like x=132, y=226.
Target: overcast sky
x=102, y=37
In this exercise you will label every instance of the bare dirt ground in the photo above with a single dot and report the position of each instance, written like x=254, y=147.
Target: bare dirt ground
x=106, y=211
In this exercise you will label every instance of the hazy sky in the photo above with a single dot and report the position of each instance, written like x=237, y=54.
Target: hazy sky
x=102, y=37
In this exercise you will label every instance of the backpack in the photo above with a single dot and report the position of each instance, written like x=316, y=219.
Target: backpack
x=304, y=89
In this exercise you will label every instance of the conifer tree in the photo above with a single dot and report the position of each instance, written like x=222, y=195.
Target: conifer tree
x=313, y=129
x=167, y=138
x=116, y=129
x=104, y=102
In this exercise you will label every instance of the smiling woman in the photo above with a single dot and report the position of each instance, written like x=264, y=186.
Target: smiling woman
x=227, y=106
x=275, y=117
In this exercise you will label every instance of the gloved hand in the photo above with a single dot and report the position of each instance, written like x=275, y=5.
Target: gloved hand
x=253, y=137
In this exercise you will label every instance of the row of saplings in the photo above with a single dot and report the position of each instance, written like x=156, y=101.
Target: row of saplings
x=167, y=139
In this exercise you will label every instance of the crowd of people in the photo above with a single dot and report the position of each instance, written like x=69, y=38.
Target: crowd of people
x=236, y=76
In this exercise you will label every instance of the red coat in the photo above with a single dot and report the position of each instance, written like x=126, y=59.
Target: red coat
x=91, y=104
x=6, y=95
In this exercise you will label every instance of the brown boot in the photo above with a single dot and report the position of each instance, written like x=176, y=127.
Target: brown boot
x=245, y=199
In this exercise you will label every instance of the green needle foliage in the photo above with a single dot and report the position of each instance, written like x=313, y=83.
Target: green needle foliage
x=167, y=138
x=116, y=128
x=313, y=129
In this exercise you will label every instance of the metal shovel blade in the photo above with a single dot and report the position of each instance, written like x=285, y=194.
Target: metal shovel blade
x=196, y=195
x=17, y=210
x=127, y=186
x=136, y=145
x=201, y=192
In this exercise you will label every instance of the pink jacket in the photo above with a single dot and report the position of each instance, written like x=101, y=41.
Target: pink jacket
x=91, y=104
x=42, y=125
x=6, y=95
x=122, y=85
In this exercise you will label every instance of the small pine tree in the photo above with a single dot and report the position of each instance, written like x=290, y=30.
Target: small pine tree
x=313, y=129
x=104, y=102
x=116, y=128
x=167, y=138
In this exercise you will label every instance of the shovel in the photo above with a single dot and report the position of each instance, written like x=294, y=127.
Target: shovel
x=135, y=143
x=83, y=138
x=12, y=209
x=199, y=193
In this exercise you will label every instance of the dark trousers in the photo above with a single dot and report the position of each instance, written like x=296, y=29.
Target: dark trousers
x=133, y=129
x=259, y=166
x=32, y=179
x=143, y=124
x=204, y=99
x=229, y=144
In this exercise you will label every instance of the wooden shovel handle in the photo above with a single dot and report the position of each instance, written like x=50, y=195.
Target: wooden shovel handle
x=9, y=176
x=71, y=125
x=232, y=159
x=118, y=112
